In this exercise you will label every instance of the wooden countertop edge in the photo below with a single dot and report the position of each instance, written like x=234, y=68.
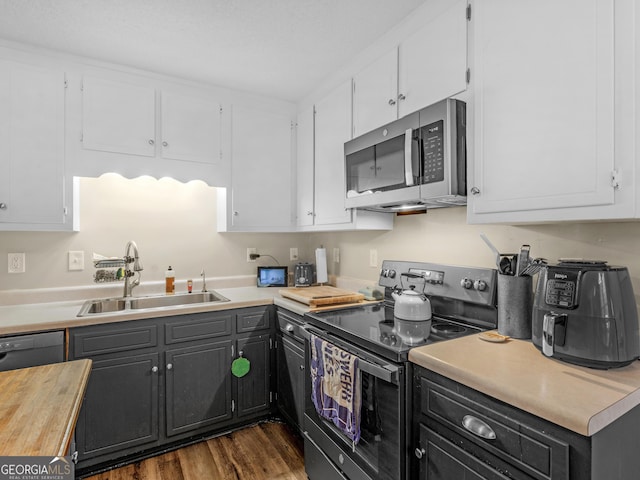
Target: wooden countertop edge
x=75, y=409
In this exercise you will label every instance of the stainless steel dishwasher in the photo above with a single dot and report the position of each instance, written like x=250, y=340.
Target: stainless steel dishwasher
x=23, y=351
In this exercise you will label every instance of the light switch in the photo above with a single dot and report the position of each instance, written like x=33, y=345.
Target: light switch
x=76, y=260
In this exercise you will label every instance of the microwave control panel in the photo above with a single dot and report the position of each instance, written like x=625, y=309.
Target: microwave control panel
x=433, y=152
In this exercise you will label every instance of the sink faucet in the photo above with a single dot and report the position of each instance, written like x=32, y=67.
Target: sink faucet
x=137, y=268
x=204, y=281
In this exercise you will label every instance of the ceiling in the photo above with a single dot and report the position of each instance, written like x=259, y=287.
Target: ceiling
x=279, y=48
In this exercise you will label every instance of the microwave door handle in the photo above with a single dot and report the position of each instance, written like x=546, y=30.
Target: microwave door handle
x=408, y=164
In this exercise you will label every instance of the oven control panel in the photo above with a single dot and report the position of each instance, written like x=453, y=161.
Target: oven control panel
x=472, y=284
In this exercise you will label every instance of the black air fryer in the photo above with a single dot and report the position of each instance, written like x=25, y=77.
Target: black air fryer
x=584, y=312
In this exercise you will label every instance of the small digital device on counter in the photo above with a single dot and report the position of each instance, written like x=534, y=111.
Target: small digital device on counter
x=273, y=276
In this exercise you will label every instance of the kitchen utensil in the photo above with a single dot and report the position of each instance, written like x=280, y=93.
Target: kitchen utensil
x=493, y=249
x=534, y=267
x=493, y=337
x=523, y=259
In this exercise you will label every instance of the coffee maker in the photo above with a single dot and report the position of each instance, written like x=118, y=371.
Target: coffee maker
x=584, y=312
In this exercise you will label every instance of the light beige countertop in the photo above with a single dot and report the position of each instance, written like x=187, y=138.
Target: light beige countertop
x=34, y=317
x=580, y=399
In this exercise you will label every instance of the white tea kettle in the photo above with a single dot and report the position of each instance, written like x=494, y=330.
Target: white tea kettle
x=411, y=305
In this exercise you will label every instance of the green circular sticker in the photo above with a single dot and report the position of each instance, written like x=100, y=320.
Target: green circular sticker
x=240, y=367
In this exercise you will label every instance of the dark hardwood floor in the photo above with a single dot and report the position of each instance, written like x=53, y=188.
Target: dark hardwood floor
x=266, y=451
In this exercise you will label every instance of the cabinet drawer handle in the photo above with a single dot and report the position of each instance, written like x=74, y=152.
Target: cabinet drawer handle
x=154, y=369
x=478, y=427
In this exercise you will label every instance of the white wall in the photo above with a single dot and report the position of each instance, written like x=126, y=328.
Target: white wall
x=174, y=224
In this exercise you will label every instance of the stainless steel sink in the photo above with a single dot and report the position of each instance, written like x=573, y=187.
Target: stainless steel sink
x=109, y=305
x=173, y=300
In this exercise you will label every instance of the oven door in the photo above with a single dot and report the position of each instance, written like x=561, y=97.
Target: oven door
x=380, y=452
x=384, y=165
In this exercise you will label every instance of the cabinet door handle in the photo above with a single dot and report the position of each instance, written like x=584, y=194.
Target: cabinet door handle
x=301, y=367
x=392, y=102
x=165, y=144
x=169, y=366
x=154, y=369
x=419, y=452
x=3, y=206
x=401, y=96
x=151, y=142
x=478, y=427
x=475, y=191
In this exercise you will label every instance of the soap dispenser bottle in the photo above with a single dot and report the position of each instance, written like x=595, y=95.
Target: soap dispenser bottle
x=170, y=281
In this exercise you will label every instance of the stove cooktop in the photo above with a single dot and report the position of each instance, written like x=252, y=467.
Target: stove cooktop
x=462, y=300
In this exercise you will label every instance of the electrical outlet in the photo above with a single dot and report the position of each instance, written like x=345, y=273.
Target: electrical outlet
x=293, y=254
x=336, y=255
x=16, y=263
x=251, y=250
x=76, y=260
x=373, y=257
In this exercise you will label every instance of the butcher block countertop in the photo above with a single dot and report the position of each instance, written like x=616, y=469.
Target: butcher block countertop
x=55, y=393
x=580, y=399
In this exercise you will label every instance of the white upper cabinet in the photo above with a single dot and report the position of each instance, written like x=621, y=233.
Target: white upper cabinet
x=433, y=60
x=118, y=117
x=322, y=131
x=549, y=142
x=427, y=66
x=190, y=128
x=332, y=130
x=304, y=171
x=135, y=125
x=260, y=197
x=34, y=192
x=375, y=94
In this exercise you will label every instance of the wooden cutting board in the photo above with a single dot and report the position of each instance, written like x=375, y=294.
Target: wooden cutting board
x=322, y=295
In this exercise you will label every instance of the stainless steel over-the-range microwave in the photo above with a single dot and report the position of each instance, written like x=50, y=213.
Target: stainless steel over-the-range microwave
x=411, y=164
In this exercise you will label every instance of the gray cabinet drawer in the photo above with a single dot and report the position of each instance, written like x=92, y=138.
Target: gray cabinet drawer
x=200, y=326
x=514, y=436
x=251, y=319
x=110, y=338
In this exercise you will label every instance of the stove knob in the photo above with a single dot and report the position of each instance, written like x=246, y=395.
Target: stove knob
x=392, y=274
x=466, y=283
x=480, y=285
x=384, y=272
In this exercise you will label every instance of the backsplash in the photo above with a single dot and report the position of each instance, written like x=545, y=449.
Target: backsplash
x=175, y=224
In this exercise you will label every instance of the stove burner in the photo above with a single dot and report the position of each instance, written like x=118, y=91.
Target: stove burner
x=447, y=329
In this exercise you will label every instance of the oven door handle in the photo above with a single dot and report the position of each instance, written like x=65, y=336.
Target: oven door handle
x=387, y=373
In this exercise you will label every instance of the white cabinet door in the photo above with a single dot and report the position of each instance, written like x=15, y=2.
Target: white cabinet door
x=118, y=117
x=429, y=65
x=190, y=128
x=375, y=91
x=32, y=179
x=304, y=171
x=544, y=103
x=433, y=60
x=333, y=129
x=261, y=167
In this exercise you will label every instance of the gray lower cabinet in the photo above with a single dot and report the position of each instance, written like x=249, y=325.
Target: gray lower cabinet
x=291, y=368
x=459, y=432
x=168, y=380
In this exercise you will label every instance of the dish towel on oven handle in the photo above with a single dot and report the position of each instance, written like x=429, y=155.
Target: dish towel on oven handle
x=336, y=386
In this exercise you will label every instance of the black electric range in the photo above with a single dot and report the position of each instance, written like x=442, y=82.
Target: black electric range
x=463, y=302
